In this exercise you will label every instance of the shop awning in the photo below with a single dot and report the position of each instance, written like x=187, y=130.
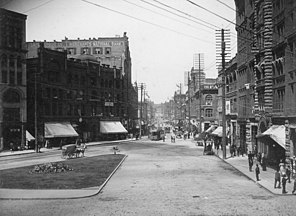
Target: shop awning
x=218, y=131
x=211, y=129
x=29, y=137
x=277, y=133
x=61, y=129
x=111, y=127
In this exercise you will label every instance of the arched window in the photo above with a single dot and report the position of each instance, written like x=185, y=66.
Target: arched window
x=11, y=96
x=209, y=100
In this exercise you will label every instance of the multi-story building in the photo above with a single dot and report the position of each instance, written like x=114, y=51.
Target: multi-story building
x=180, y=110
x=74, y=92
x=231, y=100
x=13, y=93
x=207, y=104
x=112, y=51
x=266, y=61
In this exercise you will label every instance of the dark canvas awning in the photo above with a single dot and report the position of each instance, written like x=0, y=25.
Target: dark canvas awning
x=111, y=127
x=277, y=133
x=60, y=129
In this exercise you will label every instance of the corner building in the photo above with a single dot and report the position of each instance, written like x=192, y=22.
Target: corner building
x=266, y=61
x=112, y=51
x=13, y=94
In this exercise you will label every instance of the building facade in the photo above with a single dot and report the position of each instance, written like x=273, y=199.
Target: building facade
x=266, y=61
x=80, y=91
x=13, y=94
x=112, y=51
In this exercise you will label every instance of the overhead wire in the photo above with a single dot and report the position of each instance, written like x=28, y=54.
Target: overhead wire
x=38, y=6
x=6, y=3
x=162, y=15
x=147, y=22
x=185, y=13
x=177, y=14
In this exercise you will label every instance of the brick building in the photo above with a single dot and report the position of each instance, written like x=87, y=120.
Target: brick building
x=112, y=51
x=74, y=92
x=266, y=61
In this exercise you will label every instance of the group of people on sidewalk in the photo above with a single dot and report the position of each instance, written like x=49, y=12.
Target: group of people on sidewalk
x=281, y=176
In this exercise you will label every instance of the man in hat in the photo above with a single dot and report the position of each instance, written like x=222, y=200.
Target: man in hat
x=284, y=181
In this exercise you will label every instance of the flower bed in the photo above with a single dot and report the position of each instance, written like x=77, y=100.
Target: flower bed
x=51, y=168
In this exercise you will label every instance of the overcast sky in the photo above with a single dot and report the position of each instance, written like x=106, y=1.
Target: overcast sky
x=162, y=44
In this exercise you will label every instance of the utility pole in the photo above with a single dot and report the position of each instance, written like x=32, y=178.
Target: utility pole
x=40, y=56
x=141, y=105
x=223, y=96
x=141, y=109
x=223, y=51
x=189, y=99
x=199, y=91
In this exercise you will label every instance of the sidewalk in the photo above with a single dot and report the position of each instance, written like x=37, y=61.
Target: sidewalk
x=266, y=177
x=17, y=194
x=30, y=151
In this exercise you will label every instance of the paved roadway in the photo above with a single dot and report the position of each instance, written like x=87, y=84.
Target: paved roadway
x=166, y=179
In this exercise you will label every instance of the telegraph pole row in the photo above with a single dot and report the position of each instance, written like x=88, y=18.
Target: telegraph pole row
x=224, y=38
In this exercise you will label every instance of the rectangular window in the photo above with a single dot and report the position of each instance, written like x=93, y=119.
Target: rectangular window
x=54, y=109
x=11, y=77
x=48, y=93
x=60, y=49
x=11, y=114
x=209, y=113
x=60, y=109
x=98, y=50
x=107, y=50
x=46, y=108
x=85, y=50
x=4, y=76
x=71, y=51
x=19, y=78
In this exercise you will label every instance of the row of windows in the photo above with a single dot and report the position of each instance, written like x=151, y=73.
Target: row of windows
x=88, y=50
x=61, y=94
x=60, y=109
x=11, y=70
x=11, y=37
x=104, y=83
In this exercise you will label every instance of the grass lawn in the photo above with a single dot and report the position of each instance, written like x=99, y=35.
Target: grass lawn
x=87, y=172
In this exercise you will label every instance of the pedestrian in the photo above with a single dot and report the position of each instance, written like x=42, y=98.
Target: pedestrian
x=294, y=188
x=259, y=157
x=234, y=150
x=263, y=162
x=238, y=151
x=284, y=181
x=282, y=167
x=250, y=159
x=288, y=172
x=257, y=171
x=277, y=179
